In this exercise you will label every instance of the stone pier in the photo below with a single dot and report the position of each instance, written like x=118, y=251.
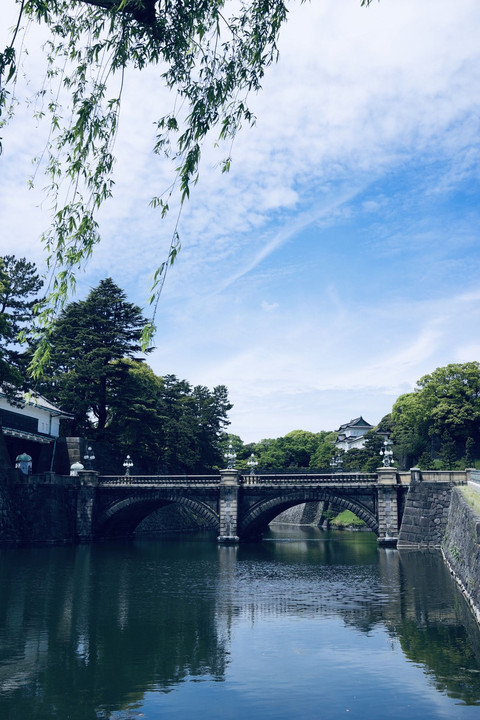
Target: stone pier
x=228, y=506
x=387, y=506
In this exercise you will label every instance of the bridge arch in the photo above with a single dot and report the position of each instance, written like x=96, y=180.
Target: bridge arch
x=258, y=517
x=123, y=515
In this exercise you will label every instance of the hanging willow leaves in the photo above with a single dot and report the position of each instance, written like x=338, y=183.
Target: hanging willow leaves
x=213, y=53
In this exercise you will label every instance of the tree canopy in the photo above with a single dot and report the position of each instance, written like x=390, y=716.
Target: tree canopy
x=298, y=449
x=86, y=341
x=19, y=287
x=117, y=400
x=439, y=423
x=165, y=423
x=212, y=53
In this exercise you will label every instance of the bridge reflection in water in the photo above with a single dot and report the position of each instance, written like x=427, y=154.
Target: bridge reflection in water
x=109, y=630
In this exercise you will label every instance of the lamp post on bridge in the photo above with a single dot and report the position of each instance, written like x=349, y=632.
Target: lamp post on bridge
x=89, y=458
x=336, y=463
x=230, y=457
x=128, y=464
x=387, y=453
x=252, y=463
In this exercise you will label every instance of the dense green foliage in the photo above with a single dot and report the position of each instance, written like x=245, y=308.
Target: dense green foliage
x=86, y=341
x=19, y=286
x=437, y=425
x=115, y=398
x=303, y=450
x=166, y=424
x=297, y=449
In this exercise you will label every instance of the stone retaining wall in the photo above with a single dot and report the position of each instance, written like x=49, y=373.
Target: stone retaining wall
x=305, y=514
x=426, y=513
x=31, y=514
x=169, y=519
x=461, y=548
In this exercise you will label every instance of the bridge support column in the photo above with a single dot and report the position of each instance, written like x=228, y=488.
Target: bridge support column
x=228, y=506
x=86, y=493
x=387, y=508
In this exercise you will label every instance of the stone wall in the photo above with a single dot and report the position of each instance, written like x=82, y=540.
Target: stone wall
x=31, y=514
x=461, y=548
x=172, y=518
x=304, y=514
x=426, y=513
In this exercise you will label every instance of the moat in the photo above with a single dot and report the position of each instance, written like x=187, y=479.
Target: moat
x=305, y=624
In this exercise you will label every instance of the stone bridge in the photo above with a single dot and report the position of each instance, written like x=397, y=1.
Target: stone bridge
x=238, y=507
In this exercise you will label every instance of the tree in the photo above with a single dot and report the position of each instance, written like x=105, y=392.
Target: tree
x=470, y=452
x=325, y=452
x=366, y=458
x=353, y=460
x=270, y=454
x=295, y=450
x=87, y=340
x=136, y=423
x=410, y=429
x=213, y=60
x=439, y=416
x=19, y=286
x=373, y=444
x=210, y=421
x=163, y=423
x=448, y=454
x=451, y=396
x=425, y=461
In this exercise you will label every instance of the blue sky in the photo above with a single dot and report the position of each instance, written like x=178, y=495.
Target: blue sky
x=338, y=261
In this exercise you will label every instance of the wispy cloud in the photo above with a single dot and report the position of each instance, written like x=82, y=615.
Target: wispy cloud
x=338, y=261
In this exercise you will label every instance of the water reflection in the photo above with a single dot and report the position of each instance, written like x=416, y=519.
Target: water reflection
x=92, y=631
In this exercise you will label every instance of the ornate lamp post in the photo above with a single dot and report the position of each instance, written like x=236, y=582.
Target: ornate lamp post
x=128, y=464
x=387, y=453
x=336, y=463
x=230, y=457
x=89, y=458
x=252, y=463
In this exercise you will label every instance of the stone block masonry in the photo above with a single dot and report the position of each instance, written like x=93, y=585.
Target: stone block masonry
x=461, y=548
x=426, y=513
x=31, y=514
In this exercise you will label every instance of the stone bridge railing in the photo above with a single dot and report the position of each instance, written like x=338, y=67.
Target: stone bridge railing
x=277, y=479
x=309, y=479
x=159, y=480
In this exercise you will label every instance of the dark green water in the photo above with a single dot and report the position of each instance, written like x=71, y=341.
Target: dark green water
x=303, y=625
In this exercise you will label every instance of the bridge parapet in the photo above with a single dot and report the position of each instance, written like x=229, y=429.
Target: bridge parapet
x=310, y=479
x=159, y=480
x=457, y=477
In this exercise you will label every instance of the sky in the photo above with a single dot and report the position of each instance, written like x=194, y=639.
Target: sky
x=338, y=261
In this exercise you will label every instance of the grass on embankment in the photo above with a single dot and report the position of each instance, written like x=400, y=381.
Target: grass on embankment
x=472, y=497
x=347, y=519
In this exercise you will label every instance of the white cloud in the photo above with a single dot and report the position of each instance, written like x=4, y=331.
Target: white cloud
x=310, y=282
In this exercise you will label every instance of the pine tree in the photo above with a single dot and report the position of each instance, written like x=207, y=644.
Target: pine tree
x=19, y=286
x=87, y=340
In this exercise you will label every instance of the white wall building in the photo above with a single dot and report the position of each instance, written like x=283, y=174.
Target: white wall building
x=32, y=427
x=351, y=434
